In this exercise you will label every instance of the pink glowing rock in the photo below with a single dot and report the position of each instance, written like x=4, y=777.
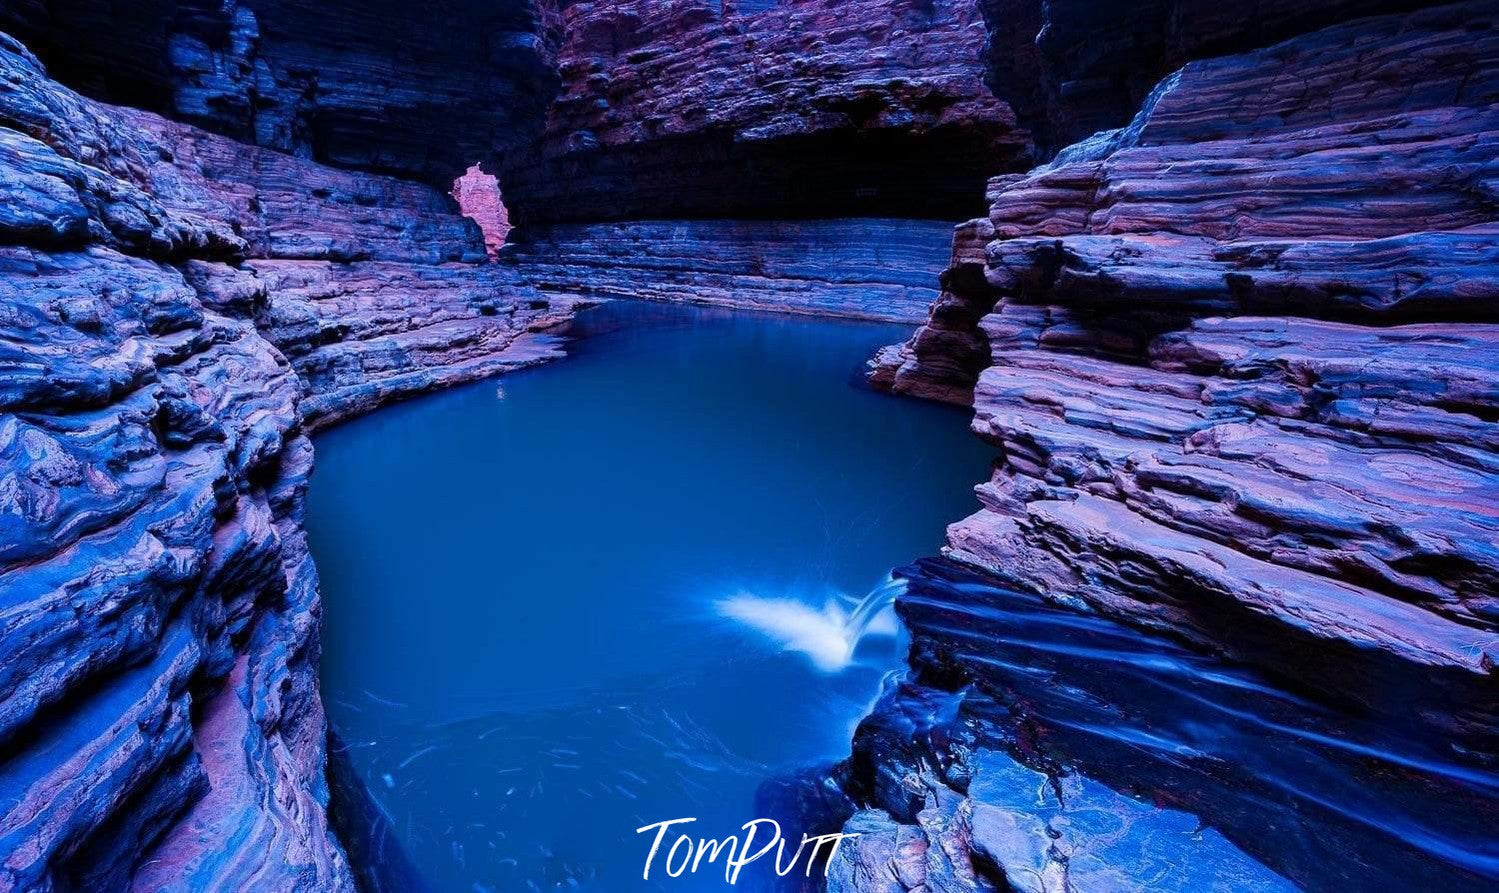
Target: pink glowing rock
x=478, y=194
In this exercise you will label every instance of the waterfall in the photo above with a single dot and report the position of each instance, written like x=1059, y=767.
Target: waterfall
x=829, y=636
x=876, y=606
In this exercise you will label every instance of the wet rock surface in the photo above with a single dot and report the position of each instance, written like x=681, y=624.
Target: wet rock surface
x=1039, y=745
x=177, y=312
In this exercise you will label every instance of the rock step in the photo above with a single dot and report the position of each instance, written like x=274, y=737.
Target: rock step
x=1285, y=773
x=874, y=268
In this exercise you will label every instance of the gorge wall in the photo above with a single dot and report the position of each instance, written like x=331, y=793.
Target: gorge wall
x=680, y=121
x=1240, y=362
x=178, y=310
x=1070, y=68
x=681, y=118
x=689, y=109
x=418, y=90
x=866, y=267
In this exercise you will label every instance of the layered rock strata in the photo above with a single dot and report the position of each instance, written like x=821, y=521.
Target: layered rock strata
x=384, y=86
x=775, y=155
x=863, y=268
x=693, y=109
x=1070, y=68
x=1038, y=747
x=1241, y=361
x=177, y=312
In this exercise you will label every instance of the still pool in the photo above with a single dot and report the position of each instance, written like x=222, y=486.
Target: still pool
x=612, y=591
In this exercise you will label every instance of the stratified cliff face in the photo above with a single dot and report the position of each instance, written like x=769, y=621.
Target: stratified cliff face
x=789, y=156
x=863, y=268
x=177, y=310
x=1238, y=358
x=1070, y=68
x=1241, y=362
x=800, y=109
x=418, y=90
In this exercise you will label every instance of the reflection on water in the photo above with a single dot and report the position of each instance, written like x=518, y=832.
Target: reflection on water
x=526, y=653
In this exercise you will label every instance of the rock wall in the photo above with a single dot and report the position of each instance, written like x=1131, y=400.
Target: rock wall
x=867, y=268
x=1070, y=68
x=418, y=90
x=1239, y=359
x=778, y=155
x=812, y=108
x=1040, y=746
x=177, y=312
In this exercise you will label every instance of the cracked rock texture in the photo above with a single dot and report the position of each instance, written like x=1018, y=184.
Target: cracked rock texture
x=1241, y=361
x=177, y=312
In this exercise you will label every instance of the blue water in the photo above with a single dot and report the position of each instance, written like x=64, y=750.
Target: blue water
x=577, y=600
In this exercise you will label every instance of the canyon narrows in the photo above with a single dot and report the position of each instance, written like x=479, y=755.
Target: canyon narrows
x=1225, y=617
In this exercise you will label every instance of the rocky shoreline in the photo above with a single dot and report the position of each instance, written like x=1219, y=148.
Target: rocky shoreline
x=181, y=311
x=1038, y=745
x=1239, y=360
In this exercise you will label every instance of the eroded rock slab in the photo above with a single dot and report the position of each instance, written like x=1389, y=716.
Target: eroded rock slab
x=1041, y=746
x=867, y=268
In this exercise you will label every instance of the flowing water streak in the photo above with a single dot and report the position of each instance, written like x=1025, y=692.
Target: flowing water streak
x=829, y=636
